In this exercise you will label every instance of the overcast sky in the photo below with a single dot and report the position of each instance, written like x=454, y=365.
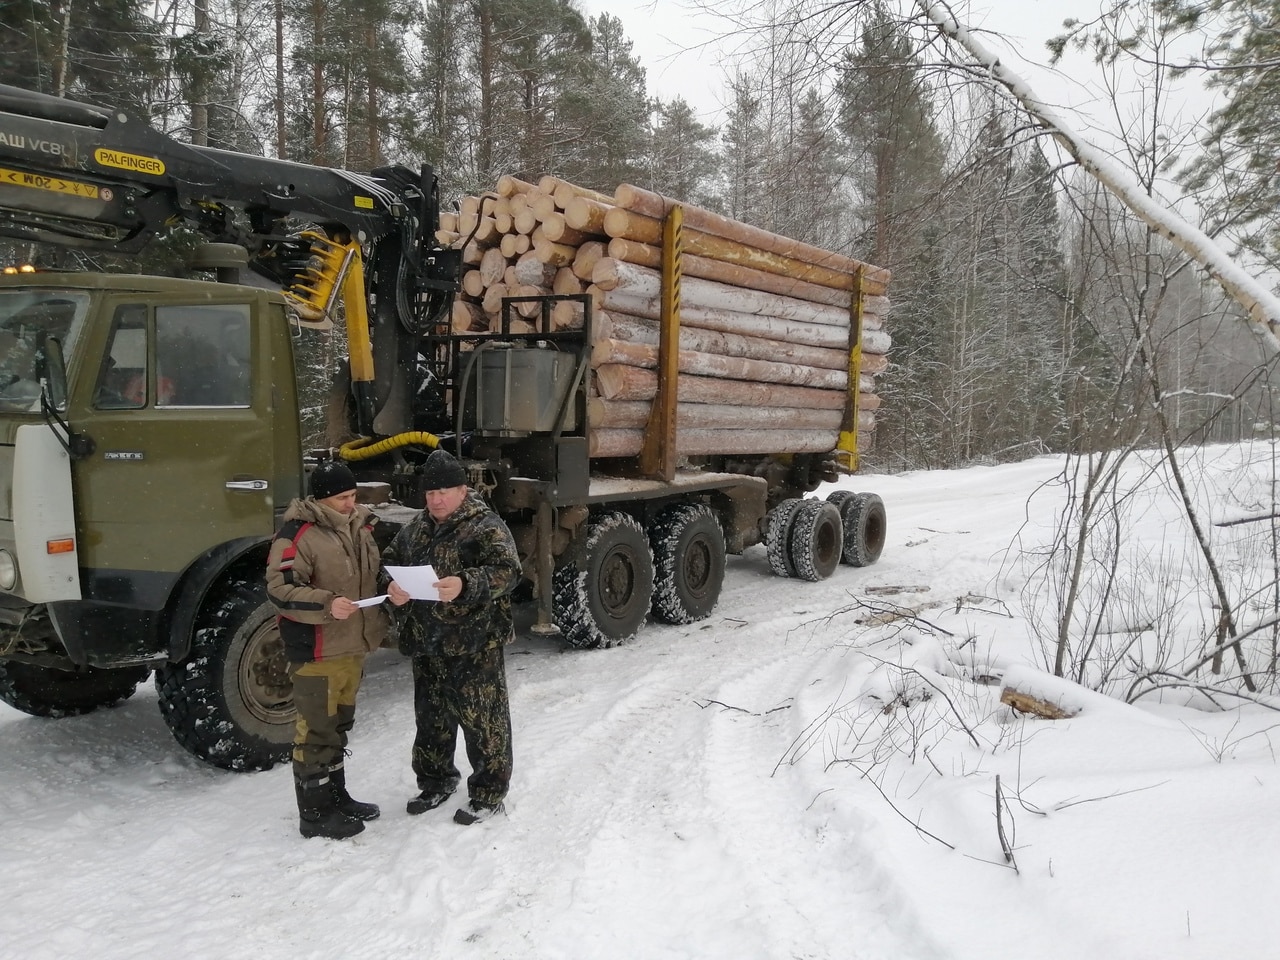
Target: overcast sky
x=683, y=50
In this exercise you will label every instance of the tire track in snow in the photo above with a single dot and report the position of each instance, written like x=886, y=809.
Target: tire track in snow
x=812, y=880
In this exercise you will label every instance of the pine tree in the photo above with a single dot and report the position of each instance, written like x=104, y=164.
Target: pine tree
x=104, y=52
x=604, y=115
x=897, y=164
x=682, y=161
x=743, y=147
x=1238, y=167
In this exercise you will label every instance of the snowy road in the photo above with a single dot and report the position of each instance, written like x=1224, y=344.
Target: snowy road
x=658, y=809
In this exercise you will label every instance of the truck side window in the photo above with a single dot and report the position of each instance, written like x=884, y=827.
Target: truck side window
x=203, y=350
x=122, y=381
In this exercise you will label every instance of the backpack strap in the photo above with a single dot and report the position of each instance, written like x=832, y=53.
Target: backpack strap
x=291, y=531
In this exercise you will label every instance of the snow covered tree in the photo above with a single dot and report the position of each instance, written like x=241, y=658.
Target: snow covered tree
x=682, y=160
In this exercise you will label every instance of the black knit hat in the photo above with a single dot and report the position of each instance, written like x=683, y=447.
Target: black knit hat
x=331, y=478
x=441, y=471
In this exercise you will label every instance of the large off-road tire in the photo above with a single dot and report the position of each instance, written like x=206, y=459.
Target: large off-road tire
x=603, y=599
x=816, y=541
x=688, y=563
x=230, y=702
x=865, y=526
x=778, y=537
x=46, y=692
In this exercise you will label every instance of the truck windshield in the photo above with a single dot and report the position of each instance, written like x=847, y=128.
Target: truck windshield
x=27, y=319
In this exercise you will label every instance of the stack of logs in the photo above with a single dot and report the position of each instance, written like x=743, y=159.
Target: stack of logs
x=764, y=320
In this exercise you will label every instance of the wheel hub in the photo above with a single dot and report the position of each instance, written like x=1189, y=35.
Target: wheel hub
x=264, y=676
x=617, y=582
x=697, y=565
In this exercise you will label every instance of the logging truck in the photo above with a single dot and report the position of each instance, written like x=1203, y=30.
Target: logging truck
x=637, y=398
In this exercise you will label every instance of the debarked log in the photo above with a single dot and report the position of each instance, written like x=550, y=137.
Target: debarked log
x=634, y=414
x=728, y=321
x=702, y=441
x=656, y=206
x=633, y=226
x=644, y=283
x=619, y=381
x=620, y=326
x=647, y=255
x=606, y=351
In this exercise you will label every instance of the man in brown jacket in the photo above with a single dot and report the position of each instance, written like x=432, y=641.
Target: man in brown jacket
x=324, y=559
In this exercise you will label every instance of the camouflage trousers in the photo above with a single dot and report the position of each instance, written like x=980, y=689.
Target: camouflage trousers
x=324, y=692
x=468, y=691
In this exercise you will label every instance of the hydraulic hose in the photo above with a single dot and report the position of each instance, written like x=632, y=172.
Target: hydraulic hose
x=366, y=448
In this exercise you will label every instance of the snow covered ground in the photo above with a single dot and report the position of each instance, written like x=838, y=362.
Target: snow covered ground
x=791, y=778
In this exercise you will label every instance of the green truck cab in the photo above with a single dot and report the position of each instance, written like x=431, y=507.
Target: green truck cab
x=149, y=441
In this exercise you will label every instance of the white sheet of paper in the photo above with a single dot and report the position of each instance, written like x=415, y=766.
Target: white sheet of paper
x=371, y=602
x=417, y=581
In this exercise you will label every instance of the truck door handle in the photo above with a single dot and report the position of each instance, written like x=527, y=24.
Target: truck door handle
x=247, y=485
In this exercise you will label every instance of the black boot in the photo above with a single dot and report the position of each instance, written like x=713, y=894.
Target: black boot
x=318, y=814
x=348, y=807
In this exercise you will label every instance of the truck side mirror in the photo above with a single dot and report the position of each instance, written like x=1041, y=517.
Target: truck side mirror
x=52, y=370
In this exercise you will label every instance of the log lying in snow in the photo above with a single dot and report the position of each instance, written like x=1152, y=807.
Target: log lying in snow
x=1026, y=703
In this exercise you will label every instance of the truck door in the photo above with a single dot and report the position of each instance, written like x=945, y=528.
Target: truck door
x=183, y=457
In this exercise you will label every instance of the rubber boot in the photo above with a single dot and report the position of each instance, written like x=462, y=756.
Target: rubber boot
x=353, y=809
x=318, y=814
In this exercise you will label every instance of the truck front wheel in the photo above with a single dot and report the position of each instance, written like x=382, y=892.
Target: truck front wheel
x=603, y=599
x=46, y=692
x=688, y=563
x=230, y=702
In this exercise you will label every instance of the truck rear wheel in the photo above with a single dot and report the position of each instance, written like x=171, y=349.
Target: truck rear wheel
x=603, y=599
x=230, y=702
x=46, y=692
x=688, y=563
x=778, y=537
x=865, y=526
x=816, y=540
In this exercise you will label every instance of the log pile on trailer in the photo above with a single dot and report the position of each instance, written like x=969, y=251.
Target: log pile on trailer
x=765, y=321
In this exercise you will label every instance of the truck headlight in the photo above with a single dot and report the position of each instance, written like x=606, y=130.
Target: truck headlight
x=8, y=570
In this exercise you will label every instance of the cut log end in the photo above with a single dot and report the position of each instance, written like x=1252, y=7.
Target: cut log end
x=1026, y=703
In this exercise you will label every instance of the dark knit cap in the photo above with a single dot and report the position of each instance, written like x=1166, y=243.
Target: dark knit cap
x=441, y=471
x=331, y=478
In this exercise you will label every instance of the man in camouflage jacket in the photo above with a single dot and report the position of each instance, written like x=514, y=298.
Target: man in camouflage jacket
x=459, y=678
